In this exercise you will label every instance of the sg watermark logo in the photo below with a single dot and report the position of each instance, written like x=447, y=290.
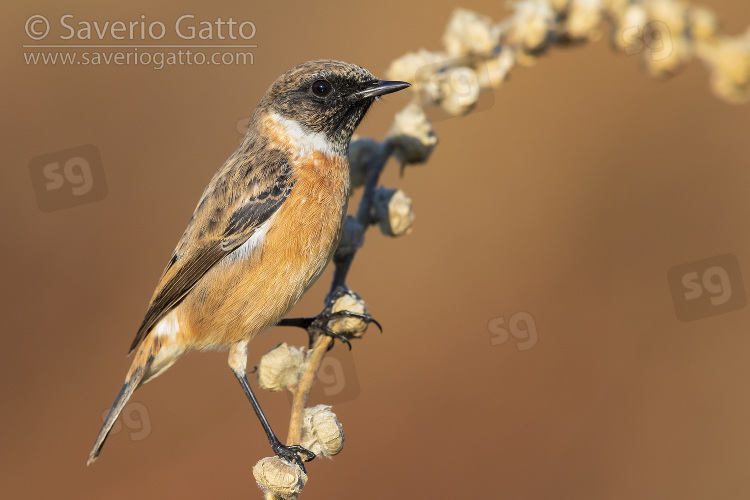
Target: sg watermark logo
x=68, y=178
x=655, y=36
x=337, y=380
x=707, y=287
x=136, y=420
x=520, y=326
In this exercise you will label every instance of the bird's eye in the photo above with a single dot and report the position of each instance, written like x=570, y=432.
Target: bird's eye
x=321, y=88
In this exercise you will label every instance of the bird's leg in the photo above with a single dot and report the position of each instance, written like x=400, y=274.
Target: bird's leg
x=238, y=362
x=318, y=325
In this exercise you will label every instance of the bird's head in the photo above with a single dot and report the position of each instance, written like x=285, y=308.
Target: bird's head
x=326, y=97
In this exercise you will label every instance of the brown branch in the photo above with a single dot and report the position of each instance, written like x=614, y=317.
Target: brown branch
x=302, y=391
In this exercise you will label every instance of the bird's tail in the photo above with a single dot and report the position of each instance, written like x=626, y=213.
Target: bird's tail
x=141, y=364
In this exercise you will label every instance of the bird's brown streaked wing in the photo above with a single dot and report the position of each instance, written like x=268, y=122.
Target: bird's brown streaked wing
x=214, y=233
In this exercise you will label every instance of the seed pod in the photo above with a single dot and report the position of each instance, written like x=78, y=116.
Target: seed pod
x=281, y=367
x=666, y=48
x=667, y=57
x=628, y=34
x=559, y=5
x=412, y=135
x=460, y=91
x=470, y=33
x=729, y=61
x=532, y=21
x=321, y=431
x=703, y=23
x=351, y=327
x=393, y=211
x=584, y=17
x=493, y=72
x=673, y=13
x=279, y=479
x=419, y=68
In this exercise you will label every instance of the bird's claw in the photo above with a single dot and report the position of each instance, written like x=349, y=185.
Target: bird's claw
x=318, y=325
x=292, y=454
x=334, y=335
x=349, y=314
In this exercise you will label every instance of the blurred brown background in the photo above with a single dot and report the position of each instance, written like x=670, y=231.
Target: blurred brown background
x=569, y=199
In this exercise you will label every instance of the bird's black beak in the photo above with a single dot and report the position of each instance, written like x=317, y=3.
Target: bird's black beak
x=381, y=87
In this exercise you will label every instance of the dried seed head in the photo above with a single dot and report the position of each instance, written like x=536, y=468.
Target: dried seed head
x=584, y=18
x=668, y=57
x=418, y=68
x=673, y=13
x=730, y=64
x=617, y=5
x=351, y=327
x=703, y=23
x=470, y=33
x=494, y=71
x=666, y=38
x=281, y=367
x=321, y=431
x=412, y=135
x=460, y=91
x=279, y=479
x=393, y=211
x=628, y=35
x=559, y=5
x=532, y=21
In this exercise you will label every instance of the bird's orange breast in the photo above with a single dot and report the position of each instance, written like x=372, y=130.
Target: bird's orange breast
x=239, y=298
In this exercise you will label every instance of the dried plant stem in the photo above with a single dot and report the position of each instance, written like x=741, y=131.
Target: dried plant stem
x=343, y=262
x=302, y=391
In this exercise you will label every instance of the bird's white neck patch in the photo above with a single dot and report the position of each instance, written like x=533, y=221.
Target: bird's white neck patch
x=304, y=141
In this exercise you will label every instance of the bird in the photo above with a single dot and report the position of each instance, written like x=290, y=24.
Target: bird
x=263, y=231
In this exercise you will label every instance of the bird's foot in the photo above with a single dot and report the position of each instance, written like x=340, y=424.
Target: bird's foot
x=322, y=327
x=320, y=324
x=292, y=454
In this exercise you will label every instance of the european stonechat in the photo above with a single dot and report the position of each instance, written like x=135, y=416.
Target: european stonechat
x=265, y=228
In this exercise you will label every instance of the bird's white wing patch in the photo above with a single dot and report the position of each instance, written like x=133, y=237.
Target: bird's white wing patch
x=168, y=326
x=255, y=241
